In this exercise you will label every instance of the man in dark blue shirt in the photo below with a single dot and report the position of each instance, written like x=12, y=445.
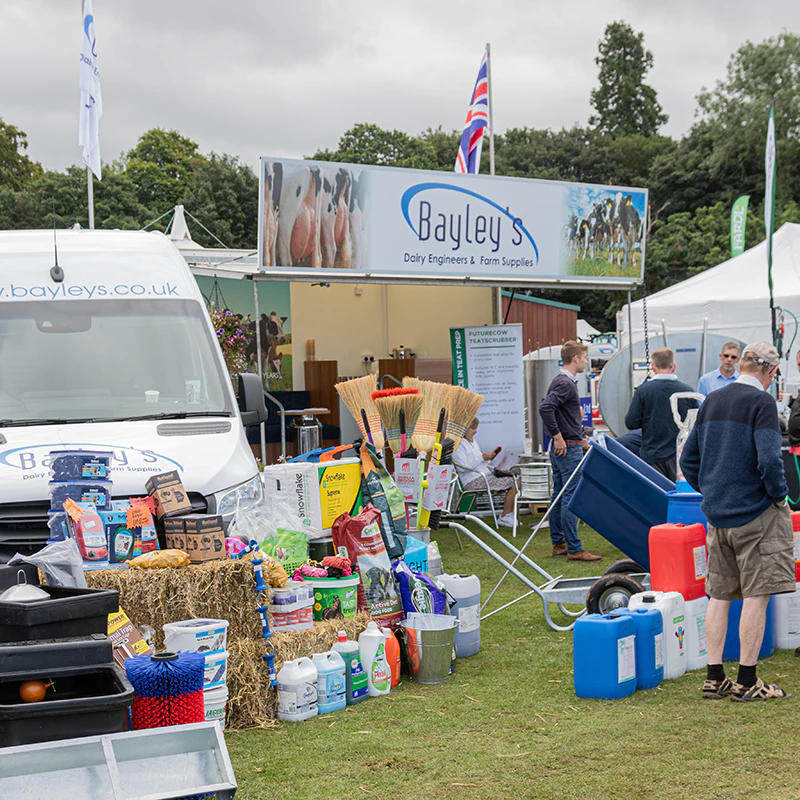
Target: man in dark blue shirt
x=563, y=421
x=733, y=457
x=650, y=410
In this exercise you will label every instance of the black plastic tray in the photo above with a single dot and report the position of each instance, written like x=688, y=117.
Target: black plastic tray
x=87, y=702
x=69, y=612
x=79, y=651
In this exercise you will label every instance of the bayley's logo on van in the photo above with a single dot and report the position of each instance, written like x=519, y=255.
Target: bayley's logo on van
x=34, y=461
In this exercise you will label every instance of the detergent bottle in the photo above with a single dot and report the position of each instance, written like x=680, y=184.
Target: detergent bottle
x=297, y=690
x=355, y=677
x=331, y=684
x=392, y=654
x=373, y=656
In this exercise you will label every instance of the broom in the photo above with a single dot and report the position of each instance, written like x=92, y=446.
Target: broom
x=168, y=689
x=423, y=515
x=357, y=396
x=399, y=410
x=446, y=458
x=433, y=401
x=462, y=406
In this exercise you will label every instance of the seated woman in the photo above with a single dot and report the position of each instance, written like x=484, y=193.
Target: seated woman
x=471, y=465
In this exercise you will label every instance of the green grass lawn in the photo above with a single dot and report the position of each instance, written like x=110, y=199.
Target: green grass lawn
x=508, y=724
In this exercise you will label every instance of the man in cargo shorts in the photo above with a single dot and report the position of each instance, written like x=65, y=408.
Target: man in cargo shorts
x=733, y=456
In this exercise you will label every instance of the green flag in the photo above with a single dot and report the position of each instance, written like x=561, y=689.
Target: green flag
x=738, y=224
x=769, y=207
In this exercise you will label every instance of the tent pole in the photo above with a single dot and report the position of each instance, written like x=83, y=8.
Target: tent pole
x=630, y=346
x=702, y=368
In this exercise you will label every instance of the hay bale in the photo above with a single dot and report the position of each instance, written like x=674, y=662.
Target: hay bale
x=222, y=590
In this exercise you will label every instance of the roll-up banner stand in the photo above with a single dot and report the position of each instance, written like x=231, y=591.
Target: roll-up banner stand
x=333, y=222
x=487, y=359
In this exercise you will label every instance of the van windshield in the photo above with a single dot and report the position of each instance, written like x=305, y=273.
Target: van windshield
x=76, y=361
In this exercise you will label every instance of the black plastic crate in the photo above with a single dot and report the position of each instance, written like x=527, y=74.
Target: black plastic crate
x=69, y=612
x=79, y=651
x=87, y=702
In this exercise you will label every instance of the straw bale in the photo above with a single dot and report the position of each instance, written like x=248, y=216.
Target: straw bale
x=222, y=590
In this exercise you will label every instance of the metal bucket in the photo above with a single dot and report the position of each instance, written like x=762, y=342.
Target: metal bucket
x=430, y=639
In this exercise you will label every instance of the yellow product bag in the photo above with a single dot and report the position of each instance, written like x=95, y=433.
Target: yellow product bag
x=160, y=558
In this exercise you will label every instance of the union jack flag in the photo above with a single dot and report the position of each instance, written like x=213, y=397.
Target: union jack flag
x=469, y=151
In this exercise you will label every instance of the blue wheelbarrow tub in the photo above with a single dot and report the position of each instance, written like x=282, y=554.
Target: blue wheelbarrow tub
x=621, y=497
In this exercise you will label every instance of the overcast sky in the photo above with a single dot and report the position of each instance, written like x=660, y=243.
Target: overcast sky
x=260, y=77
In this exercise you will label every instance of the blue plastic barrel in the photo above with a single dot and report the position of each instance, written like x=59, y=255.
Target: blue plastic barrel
x=604, y=656
x=649, y=646
x=731, y=649
x=684, y=508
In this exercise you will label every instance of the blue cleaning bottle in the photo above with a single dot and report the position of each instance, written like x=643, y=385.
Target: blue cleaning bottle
x=355, y=676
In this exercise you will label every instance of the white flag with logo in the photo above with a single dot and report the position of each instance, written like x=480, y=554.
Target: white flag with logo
x=769, y=195
x=91, y=100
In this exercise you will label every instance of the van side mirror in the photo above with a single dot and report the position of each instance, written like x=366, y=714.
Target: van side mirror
x=252, y=408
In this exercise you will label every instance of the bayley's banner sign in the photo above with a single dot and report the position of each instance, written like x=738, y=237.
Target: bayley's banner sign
x=382, y=222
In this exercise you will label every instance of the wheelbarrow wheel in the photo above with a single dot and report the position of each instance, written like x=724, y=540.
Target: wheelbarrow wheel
x=610, y=592
x=625, y=567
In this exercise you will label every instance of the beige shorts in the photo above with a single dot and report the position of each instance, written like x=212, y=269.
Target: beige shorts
x=755, y=559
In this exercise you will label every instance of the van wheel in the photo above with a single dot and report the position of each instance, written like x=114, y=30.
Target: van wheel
x=611, y=592
x=625, y=567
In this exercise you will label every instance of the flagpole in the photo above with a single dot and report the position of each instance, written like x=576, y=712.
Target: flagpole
x=769, y=212
x=90, y=185
x=491, y=116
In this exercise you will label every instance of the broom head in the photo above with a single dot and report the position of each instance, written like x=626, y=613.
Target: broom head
x=357, y=394
x=462, y=406
x=433, y=401
x=391, y=403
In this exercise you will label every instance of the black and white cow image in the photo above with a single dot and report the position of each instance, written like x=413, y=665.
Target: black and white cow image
x=612, y=229
x=358, y=220
x=298, y=239
x=630, y=224
x=273, y=177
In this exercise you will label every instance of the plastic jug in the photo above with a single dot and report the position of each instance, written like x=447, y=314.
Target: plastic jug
x=466, y=591
x=297, y=690
x=372, y=644
x=731, y=649
x=331, y=682
x=392, y=654
x=604, y=656
x=355, y=677
x=649, y=646
x=787, y=620
x=678, y=559
x=673, y=615
x=434, y=560
x=696, y=654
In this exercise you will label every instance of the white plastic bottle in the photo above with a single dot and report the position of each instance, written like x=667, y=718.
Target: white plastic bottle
x=372, y=644
x=466, y=591
x=331, y=685
x=696, y=653
x=673, y=613
x=297, y=690
x=787, y=620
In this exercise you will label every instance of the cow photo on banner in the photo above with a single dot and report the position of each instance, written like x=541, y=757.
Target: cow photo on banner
x=375, y=223
x=313, y=215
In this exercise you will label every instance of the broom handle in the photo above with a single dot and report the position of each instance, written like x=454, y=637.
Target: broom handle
x=423, y=515
x=402, y=450
x=366, y=426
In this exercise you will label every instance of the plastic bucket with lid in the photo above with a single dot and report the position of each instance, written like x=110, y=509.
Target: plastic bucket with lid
x=201, y=635
x=215, y=700
x=335, y=598
x=429, y=640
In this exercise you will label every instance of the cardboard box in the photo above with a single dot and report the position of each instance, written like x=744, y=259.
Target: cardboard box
x=126, y=640
x=170, y=497
x=175, y=533
x=205, y=537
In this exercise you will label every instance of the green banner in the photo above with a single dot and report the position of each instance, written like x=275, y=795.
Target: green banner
x=459, y=349
x=738, y=224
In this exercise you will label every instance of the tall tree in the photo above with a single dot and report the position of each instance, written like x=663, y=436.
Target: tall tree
x=16, y=169
x=161, y=167
x=624, y=103
x=365, y=143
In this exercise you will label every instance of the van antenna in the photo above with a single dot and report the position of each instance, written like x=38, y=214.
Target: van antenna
x=56, y=273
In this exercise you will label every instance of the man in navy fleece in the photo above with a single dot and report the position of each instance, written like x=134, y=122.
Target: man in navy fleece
x=563, y=420
x=733, y=456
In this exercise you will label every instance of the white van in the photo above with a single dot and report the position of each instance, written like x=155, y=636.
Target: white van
x=113, y=351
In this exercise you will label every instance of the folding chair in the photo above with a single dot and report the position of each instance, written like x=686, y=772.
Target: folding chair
x=458, y=493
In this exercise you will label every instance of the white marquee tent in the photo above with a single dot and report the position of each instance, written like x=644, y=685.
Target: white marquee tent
x=733, y=297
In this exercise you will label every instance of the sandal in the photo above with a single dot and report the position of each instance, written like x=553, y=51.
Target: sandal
x=716, y=690
x=759, y=691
